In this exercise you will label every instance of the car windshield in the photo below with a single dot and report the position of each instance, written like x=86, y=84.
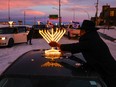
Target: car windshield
x=6, y=30
x=48, y=82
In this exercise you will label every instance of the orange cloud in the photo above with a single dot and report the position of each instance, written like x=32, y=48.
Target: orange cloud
x=31, y=12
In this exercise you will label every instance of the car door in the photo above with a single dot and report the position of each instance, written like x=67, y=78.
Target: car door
x=21, y=35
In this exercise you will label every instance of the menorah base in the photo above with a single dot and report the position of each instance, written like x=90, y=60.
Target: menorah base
x=52, y=54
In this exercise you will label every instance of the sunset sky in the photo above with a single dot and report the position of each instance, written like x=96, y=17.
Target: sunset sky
x=39, y=10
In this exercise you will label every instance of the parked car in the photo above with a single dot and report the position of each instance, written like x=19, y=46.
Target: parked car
x=72, y=28
x=36, y=29
x=33, y=69
x=11, y=35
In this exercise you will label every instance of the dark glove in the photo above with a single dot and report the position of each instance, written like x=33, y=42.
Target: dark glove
x=54, y=44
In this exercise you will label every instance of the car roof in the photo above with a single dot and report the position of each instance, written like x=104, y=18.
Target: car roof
x=5, y=26
x=33, y=63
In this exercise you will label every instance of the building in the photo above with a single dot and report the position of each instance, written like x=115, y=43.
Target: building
x=107, y=15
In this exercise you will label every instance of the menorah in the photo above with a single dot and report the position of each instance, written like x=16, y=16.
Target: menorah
x=51, y=35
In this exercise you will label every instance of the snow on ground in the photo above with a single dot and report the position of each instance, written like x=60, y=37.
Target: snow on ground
x=110, y=32
x=111, y=45
x=8, y=55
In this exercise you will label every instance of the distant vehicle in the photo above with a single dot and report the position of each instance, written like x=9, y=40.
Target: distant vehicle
x=11, y=35
x=32, y=69
x=36, y=30
x=72, y=28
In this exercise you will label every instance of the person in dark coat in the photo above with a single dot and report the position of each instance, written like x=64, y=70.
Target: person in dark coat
x=94, y=50
x=30, y=36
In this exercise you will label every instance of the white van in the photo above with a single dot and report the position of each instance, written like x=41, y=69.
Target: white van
x=11, y=35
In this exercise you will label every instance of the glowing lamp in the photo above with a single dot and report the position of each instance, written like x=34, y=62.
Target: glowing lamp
x=38, y=22
x=10, y=23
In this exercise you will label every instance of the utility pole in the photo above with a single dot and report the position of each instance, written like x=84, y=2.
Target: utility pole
x=59, y=13
x=34, y=20
x=96, y=14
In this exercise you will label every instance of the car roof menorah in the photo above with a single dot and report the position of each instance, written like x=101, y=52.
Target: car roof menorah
x=52, y=35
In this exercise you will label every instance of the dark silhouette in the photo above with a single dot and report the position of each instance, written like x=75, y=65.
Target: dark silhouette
x=95, y=52
x=30, y=36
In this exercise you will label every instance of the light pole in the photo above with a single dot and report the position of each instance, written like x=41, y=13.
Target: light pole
x=34, y=20
x=83, y=11
x=87, y=13
x=60, y=18
x=59, y=13
x=74, y=14
x=8, y=10
x=24, y=17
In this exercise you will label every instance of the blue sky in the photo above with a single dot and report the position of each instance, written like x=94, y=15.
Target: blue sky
x=39, y=10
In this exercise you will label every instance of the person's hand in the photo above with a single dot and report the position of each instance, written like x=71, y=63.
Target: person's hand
x=54, y=44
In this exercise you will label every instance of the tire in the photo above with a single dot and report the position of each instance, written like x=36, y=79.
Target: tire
x=10, y=42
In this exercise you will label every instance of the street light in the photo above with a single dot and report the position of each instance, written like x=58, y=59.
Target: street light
x=8, y=10
x=10, y=23
x=81, y=9
x=86, y=13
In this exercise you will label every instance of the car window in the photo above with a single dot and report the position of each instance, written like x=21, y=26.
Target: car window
x=15, y=30
x=6, y=30
x=21, y=29
x=48, y=82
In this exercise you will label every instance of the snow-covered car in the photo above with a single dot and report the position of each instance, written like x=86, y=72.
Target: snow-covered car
x=11, y=35
x=33, y=69
x=73, y=27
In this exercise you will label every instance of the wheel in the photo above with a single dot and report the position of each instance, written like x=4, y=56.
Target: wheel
x=69, y=35
x=10, y=42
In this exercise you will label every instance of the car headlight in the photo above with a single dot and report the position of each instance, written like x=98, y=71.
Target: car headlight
x=3, y=38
